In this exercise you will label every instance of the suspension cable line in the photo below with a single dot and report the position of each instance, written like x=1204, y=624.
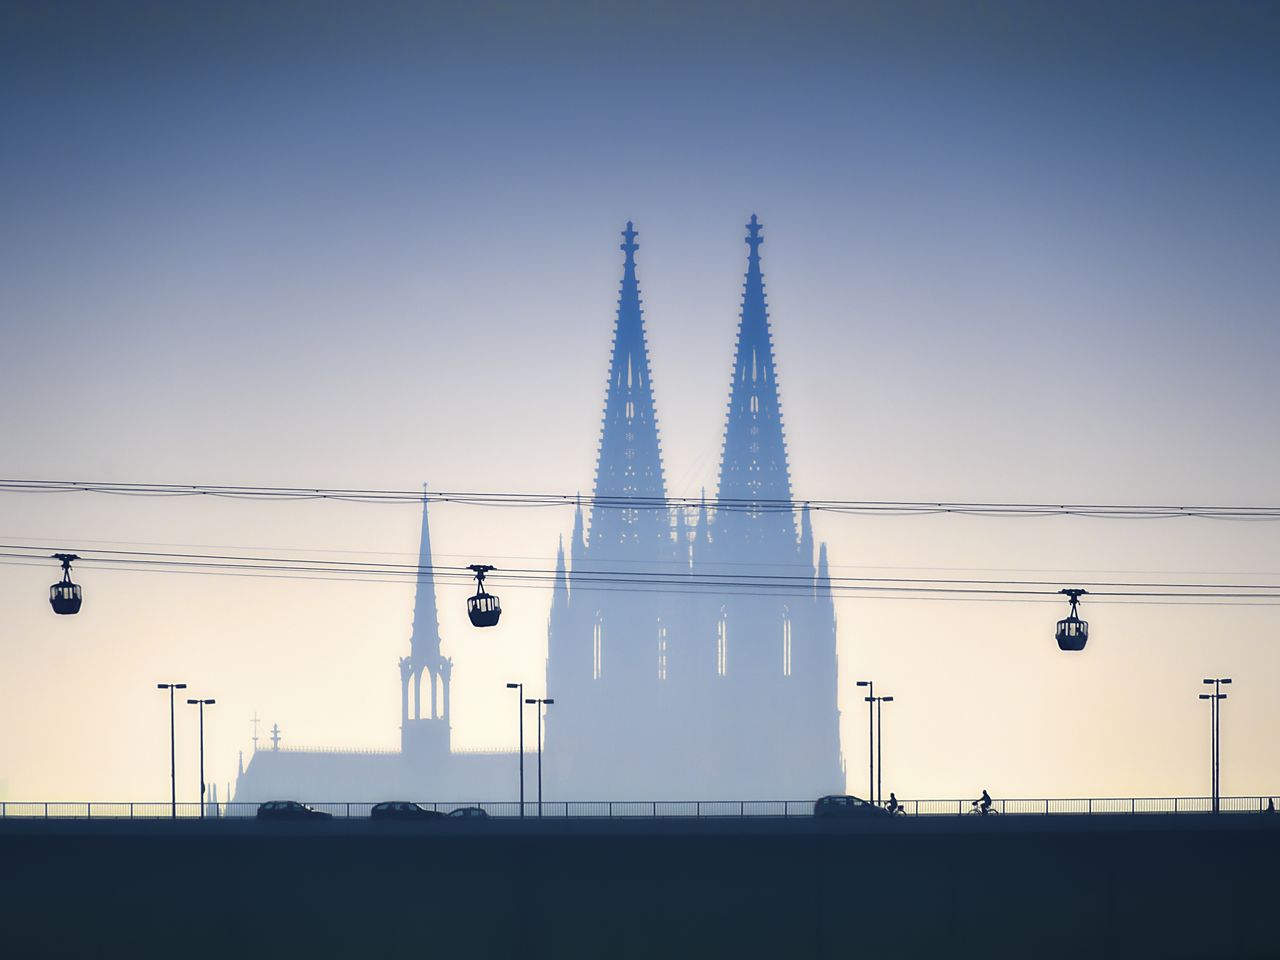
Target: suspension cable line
x=534, y=500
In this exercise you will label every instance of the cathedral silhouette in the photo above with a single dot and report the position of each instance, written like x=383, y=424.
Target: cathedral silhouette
x=702, y=689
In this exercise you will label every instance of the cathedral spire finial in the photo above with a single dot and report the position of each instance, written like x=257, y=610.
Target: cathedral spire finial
x=753, y=237
x=630, y=247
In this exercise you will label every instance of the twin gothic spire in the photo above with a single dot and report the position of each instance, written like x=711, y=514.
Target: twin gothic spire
x=630, y=461
x=754, y=478
x=753, y=469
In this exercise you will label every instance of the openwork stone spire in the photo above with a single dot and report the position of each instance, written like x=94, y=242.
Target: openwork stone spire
x=424, y=644
x=630, y=462
x=753, y=467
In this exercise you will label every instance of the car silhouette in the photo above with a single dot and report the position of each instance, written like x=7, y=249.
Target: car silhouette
x=402, y=810
x=468, y=812
x=847, y=807
x=290, y=810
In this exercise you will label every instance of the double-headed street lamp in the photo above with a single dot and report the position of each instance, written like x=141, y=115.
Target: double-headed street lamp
x=1215, y=734
x=880, y=747
x=871, y=739
x=519, y=688
x=203, y=704
x=875, y=752
x=173, y=764
x=540, y=704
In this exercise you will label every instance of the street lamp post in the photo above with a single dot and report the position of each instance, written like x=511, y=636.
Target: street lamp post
x=519, y=688
x=871, y=738
x=880, y=749
x=203, y=704
x=540, y=704
x=173, y=762
x=1215, y=735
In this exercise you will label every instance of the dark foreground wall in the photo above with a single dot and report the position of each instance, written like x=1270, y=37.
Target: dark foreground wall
x=1186, y=886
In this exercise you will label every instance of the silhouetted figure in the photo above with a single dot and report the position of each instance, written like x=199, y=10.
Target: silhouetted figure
x=1271, y=804
x=982, y=806
x=894, y=805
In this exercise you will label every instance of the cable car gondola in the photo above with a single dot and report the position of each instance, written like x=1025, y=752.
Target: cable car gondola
x=64, y=596
x=484, y=608
x=1073, y=633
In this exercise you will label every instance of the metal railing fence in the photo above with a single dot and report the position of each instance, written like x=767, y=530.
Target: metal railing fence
x=659, y=809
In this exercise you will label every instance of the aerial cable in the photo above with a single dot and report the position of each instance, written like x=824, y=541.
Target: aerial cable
x=589, y=575
x=727, y=505
x=869, y=592
x=672, y=583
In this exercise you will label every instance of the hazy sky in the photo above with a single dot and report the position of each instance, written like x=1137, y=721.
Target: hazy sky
x=1013, y=252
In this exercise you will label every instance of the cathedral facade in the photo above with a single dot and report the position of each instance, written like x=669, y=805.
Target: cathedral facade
x=712, y=674
x=721, y=682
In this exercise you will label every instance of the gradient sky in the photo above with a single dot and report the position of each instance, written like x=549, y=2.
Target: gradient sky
x=1018, y=252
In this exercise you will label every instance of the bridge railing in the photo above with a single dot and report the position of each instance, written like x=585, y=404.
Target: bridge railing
x=624, y=809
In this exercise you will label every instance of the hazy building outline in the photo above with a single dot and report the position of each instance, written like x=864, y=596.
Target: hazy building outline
x=660, y=694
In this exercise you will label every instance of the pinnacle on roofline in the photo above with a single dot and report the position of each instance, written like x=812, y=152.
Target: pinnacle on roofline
x=754, y=239
x=630, y=246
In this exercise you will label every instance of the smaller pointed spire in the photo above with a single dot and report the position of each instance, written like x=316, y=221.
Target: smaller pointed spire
x=701, y=529
x=240, y=772
x=824, y=573
x=577, y=543
x=424, y=639
x=806, y=536
x=682, y=537
x=560, y=588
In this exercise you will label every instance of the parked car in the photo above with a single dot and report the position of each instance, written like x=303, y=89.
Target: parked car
x=290, y=810
x=468, y=812
x=848, y=807
x=402, y=810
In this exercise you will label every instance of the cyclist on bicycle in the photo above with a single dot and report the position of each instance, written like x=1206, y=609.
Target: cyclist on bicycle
x=984, y=804
x=894, y=806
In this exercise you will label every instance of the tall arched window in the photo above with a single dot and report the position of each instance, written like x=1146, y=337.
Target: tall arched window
x=786, y=641
x=662, y=650
x=722, y=643
x=597, y=636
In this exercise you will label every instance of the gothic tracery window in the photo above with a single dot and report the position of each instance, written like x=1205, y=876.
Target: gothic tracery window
x=722, y=644
x=786, y=642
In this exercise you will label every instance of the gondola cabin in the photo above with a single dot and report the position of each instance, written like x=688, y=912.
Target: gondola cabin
x=1073, y=633
x=64, y=596
x=483, y=609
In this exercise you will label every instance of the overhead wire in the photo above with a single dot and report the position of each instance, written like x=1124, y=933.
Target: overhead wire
x=689, y=581
x=731, y=505
x=1064, y=573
